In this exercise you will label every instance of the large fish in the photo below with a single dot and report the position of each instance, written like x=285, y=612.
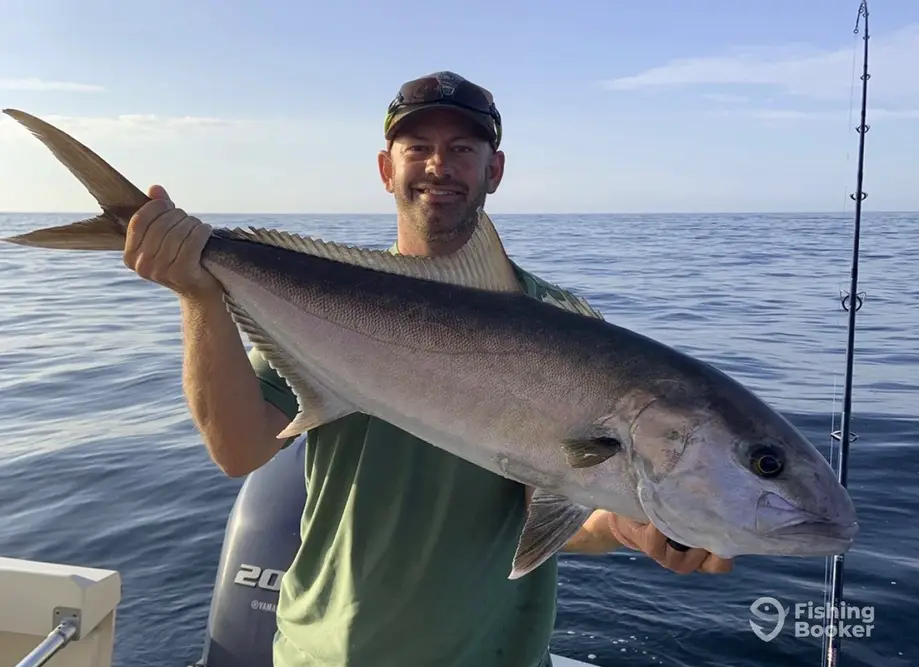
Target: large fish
x=590, y=414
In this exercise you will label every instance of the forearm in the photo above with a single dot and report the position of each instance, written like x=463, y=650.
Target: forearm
x=594, y=537
x=222, y=390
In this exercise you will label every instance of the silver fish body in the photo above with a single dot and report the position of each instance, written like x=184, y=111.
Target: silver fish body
x=591, y=415
x=571, y=405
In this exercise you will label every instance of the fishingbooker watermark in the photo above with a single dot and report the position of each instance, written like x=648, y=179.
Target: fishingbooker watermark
x=809, y=619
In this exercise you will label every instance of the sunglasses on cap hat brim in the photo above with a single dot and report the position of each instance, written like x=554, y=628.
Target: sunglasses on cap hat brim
x=428, y=92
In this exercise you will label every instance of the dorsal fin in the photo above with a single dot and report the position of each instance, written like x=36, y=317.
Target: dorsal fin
x=481, y=262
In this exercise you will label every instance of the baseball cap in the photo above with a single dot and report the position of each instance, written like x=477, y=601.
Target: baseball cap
x=444, y=89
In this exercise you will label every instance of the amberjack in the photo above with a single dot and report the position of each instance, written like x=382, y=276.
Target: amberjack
x=589, y=414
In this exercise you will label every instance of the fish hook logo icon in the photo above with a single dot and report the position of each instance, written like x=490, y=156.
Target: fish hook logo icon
x=778, y=617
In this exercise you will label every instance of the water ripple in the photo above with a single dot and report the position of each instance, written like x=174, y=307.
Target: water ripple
x=100, y=465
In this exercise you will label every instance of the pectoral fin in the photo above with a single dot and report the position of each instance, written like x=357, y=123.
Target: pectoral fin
x=552, y=520
x=590, y=452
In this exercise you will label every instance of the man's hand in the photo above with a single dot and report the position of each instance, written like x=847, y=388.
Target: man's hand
x=164, y=246
x=648, y=539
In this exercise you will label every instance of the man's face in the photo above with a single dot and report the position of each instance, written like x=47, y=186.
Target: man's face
x=440, y=169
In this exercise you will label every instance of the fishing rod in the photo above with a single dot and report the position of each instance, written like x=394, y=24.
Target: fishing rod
x=851, y=303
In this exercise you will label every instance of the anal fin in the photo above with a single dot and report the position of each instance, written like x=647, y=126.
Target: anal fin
x=552, y=520
x=318, y=405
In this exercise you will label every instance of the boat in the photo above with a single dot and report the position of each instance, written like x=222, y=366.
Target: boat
x=64, y=615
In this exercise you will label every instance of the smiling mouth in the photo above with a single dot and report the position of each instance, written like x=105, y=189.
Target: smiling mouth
x=439, y=192
x=439, y=196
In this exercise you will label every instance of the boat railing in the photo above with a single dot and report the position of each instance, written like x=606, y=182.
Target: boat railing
x=50, y=645
x=57, y=614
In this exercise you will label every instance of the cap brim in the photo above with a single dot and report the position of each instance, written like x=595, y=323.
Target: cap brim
x=481, y=120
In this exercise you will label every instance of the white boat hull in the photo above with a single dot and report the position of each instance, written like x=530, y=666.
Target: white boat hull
x=39, y=597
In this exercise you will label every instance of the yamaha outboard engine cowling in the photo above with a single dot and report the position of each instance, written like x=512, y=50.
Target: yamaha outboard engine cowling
x=260, y=542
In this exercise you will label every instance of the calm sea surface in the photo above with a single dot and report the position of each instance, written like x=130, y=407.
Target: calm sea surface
x=100, y=465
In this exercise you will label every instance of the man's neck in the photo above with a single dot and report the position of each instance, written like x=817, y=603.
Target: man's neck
x=411, y=244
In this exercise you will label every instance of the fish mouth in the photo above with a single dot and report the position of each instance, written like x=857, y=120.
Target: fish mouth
x=778, y=518
x=817, y=528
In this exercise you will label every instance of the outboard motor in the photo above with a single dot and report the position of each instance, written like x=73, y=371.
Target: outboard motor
x=260, y=542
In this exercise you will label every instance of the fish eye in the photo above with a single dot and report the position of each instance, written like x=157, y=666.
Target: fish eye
x=766, y=461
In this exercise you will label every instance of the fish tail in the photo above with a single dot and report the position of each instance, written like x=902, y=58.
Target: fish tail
x=117, y=196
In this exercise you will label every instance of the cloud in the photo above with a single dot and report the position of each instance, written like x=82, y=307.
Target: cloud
x=725, y=98
x=797, y=70
x=796, y=115
x=37, y=85
x=140, y=121
x=209, y=163
x=125, y=127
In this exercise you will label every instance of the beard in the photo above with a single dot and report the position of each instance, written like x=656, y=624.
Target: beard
x=440, y=222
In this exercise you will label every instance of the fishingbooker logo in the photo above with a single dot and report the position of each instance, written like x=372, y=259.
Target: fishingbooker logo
x=771, y=611
x=811, y=620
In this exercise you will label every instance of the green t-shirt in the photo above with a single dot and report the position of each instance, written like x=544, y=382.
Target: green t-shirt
x=405, y=552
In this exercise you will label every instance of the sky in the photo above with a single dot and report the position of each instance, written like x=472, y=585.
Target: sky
x=608, y=106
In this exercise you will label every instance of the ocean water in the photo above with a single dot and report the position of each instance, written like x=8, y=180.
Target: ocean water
x=100, y=465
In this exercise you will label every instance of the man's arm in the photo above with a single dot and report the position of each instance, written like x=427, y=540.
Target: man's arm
x=164, y=245
x=224, y=396
x=604, y=532
x=594, y=537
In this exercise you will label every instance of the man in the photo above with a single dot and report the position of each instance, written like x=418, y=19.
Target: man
x=405, y=549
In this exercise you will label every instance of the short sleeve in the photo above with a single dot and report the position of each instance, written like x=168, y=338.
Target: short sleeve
x=275, y=389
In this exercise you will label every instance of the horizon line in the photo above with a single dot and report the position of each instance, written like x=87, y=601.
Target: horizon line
x=523, y=213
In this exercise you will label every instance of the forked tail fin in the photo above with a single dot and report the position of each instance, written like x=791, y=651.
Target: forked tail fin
x=117, y=196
